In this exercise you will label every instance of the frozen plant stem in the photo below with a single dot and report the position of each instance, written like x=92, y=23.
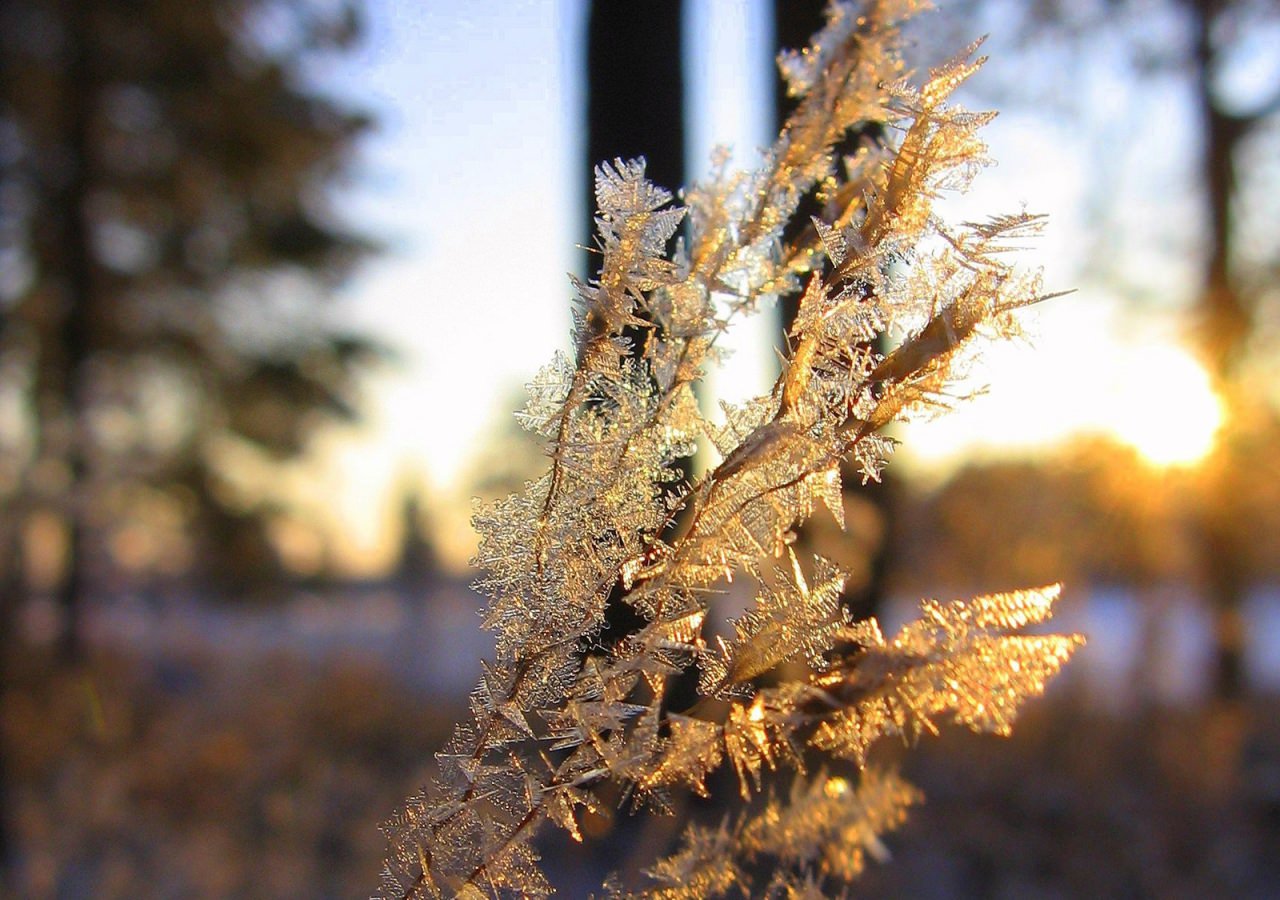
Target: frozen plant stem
x=557, y=714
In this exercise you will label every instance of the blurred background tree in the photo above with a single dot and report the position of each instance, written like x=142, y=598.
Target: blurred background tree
x=635, y=105
x=1217, y=58
x=168, y=243
x=417, y=561
x=864, y=547
x=1091, y=515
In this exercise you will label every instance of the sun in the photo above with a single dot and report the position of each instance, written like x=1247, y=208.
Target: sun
x=1153, y=395
x=1164, y=406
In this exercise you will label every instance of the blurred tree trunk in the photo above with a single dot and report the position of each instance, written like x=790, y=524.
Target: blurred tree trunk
x=635, y=89
x=10, y=595
x=63, y=371
x=634, y=95
x=1224, y=325
x=418, y=562
x=795, y=22
x=1225, y=300
x=635, y=107
x=10, y=588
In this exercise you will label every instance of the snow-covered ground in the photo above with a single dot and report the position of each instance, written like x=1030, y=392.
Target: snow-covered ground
x=1154, y=644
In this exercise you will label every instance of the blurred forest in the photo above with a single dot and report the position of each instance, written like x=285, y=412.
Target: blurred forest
x=168, y=250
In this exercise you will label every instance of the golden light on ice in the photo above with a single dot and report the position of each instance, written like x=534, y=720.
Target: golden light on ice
x=1166, y=408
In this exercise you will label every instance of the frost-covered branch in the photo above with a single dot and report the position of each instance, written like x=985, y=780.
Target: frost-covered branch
x=558, y=714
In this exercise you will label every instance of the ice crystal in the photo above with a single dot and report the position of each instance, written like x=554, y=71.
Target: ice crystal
x=821, y=832
x=566, y=714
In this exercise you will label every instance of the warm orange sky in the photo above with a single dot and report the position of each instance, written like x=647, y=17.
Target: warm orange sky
x=475, y=182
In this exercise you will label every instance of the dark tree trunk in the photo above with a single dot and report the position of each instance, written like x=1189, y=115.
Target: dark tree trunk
x=1224, y=326
x=635, y=107
x=67, y=374
x=10, y=594
x=795, y=22
x=635, y=88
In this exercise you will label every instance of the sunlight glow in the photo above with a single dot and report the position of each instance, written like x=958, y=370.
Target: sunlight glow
x=1150, y=393
x=1172, y=414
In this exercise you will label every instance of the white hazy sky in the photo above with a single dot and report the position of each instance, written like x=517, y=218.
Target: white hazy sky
x=474, y=181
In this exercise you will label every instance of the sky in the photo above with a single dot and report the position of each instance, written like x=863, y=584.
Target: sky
x=473, y=182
